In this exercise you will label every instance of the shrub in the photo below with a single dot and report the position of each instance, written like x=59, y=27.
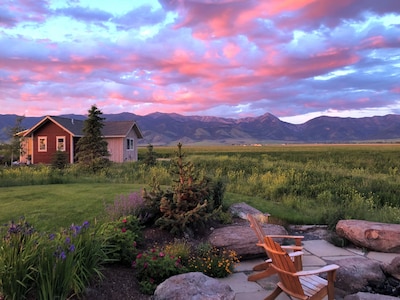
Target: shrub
x=152, y=200
x=88, y=253
x=190, y=205
x=154, y=266
x=150, y=157
x=67, y=262
x=18, y=259
x=212, y=261
x=180, y=249
x=225, y=217
x=218, y=191
x=40, y=266
x=125, y=205
x=121, y=237
x=59, y=160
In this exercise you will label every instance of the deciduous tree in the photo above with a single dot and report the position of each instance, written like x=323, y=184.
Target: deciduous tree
x=14, y=145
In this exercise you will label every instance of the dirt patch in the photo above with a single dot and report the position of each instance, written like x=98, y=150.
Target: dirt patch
x=119, y=282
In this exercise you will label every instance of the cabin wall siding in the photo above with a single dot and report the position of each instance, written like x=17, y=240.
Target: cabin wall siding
x=51, y=131
x=131, y=154
x=115, y=146
x=26, y=150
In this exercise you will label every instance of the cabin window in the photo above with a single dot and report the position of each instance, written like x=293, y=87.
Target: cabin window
x=129, y=144
x=60, y=143
x=42, y=146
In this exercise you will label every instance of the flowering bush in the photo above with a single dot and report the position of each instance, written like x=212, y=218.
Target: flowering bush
x=154, y=266
x=180, y=249
x=47, y=266
x=68, y=260
x=212, y=261
x=122, y=237
x=17, y=259
x=125, y=205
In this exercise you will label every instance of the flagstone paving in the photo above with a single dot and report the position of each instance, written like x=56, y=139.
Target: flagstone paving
x=316, y=254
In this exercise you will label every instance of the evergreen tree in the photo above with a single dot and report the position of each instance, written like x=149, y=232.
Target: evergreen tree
x=189, y=206
x=59, y=160
x=92, y=153
x=150, y=157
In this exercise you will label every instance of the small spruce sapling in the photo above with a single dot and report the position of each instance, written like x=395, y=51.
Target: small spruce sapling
x=186, y=208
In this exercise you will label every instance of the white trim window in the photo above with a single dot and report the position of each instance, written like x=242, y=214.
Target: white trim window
x=42, y=143
x=130, y=144
x=60, y=143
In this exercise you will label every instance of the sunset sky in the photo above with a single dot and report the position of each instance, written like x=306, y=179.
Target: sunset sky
x=295, y=59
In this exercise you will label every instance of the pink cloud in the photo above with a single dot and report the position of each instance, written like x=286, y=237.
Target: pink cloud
x=373, y=42
x=396, y=90
x=286, y=5
x=25, y=10
x=211, y=20
x=231, y=50
x=215, y=56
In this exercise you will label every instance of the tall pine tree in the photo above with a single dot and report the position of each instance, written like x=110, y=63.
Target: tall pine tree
x=92, y=153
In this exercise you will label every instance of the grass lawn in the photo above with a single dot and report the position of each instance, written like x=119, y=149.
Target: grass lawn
x=49, y=207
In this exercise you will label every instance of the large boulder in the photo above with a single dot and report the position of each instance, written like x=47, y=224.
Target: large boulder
x=242, y=209
x=354, y=274
x=242, y=239
x=368, y=296
x=193, y=286
x=374, y=236
x=393, y=268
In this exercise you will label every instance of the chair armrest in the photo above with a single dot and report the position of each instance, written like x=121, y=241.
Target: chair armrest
x=324, y=269
x=291, y=254
x=286, y=236
x=294, y=248
x=296, y=253
x=297, y=238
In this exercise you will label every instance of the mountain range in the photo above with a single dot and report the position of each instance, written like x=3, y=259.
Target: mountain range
x=169, y=129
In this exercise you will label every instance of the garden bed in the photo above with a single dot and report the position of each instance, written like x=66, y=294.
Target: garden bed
x=119, y=281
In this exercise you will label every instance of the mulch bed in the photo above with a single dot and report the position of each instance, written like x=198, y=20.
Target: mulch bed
x=119, y=282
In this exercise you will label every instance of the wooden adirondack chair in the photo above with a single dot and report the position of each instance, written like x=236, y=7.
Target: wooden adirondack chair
x=265, y=266
x=305, y=285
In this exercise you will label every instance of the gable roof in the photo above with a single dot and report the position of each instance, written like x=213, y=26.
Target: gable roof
x=71, y=125
x=75, y=127
x=120, y=129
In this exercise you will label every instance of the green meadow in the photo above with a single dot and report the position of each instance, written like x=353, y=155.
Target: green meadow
x=297, y=184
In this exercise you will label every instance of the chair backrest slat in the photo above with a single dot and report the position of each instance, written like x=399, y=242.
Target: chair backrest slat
x=257, y=228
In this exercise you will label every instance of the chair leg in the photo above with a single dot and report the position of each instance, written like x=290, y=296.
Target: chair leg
x=331, y=285
x=266, y=273
x=275, y=293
